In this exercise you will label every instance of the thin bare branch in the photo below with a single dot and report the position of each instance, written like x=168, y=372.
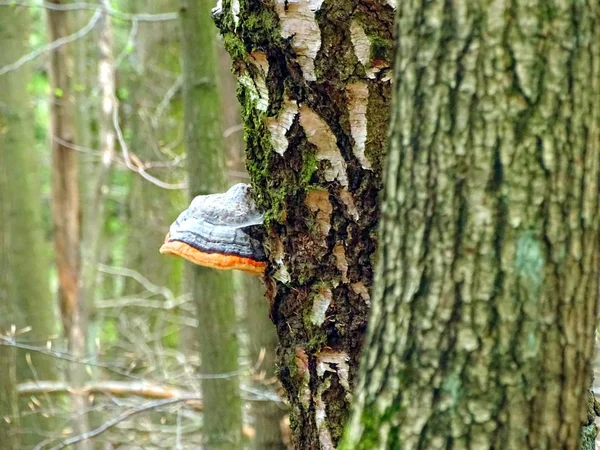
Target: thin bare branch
x=145, y=282
x=120, y=418
x=124, y=302
x=142, y=17
x=115, y=388
x=9, y=341
x=53, y=45
x=234, y=129
x=138, y=168
x=166, y=100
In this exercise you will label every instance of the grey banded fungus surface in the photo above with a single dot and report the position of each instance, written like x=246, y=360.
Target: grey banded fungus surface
x=217, y=231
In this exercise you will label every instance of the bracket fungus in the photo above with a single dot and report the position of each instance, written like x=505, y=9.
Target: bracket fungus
x=221, y=231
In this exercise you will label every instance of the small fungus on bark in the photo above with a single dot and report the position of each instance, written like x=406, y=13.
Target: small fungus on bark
x=217, y=231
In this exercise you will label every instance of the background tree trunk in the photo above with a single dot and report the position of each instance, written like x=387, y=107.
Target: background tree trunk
x=314, y=88
x=212, y=290
x=24, y=281
x=66, y=210
x=95, y=187
x=262, y=342
x=484, y=309
x=151, y=208
x=65, y=193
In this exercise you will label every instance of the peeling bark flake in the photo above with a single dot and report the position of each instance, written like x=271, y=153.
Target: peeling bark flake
x=348, y=200
x=297, y=19
x=282, y=274
x=336, y=362
x=279, y=126
x=257, y=90
x=321, y=303
x=360, y=289
x=318, y=201
x=320, y=135
x=304, y=374
x=340, y=260
x=361, y=43
x=358, y=98
x=362, y=50
x=235, y=11
x=320, y=419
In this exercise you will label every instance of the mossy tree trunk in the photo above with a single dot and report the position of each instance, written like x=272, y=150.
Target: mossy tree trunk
x=25, y=297
x=484, y=308
x=266, y=416
x=212, y=290
x=314, y=84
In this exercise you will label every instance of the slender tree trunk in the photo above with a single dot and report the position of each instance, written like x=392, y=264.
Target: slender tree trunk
x=65, y=194
x=96, y=185
x=9, y=402
x=212, y=290
x=484, y=311
x=25, y=298
x=66, y=210
x=151, y=208
x=314, y=86
x=262, y=342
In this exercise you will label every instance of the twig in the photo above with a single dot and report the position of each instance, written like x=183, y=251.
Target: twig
x=10, y=342
x=120, y=418
x=142, y=17
x=166, y=100
x=125, y=302
x=115, y=388
x=145, y=282
x=53, y=45
x=138, y=168
x=234, y=129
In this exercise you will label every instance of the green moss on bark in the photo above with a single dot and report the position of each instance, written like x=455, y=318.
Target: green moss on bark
x=301, y=257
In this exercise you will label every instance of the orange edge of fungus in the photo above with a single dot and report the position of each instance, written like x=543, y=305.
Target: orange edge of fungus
x=215, y=260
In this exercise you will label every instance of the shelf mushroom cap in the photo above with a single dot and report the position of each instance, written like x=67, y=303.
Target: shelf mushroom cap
x=215, y=231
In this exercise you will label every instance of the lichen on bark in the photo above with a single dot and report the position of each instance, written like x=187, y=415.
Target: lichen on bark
x=315, y=125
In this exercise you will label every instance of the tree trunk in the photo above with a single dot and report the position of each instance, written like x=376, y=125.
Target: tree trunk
x=66, y=210
x=155, y=66
x=262, y=342
x=65, y=194
x=24, y=281
x=212, y=290
x=9, y=406
x=484, y=309
x=95, y=187
x=266, y=416
x=314, y=88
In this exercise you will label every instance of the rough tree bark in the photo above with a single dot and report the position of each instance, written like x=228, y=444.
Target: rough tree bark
x=484, y=308
x=212, y=290
x=25, y=297
x=314, y=88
